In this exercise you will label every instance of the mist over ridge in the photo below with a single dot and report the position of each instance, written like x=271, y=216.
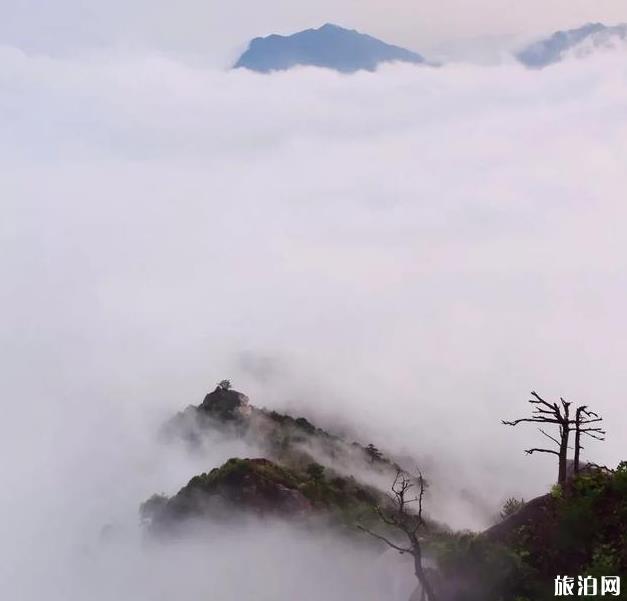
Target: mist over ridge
x=580, y=42
x=401, y=254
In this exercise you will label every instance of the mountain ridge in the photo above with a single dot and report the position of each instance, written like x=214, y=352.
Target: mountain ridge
x=581, y=41
x=577, y=528
x=329, y=46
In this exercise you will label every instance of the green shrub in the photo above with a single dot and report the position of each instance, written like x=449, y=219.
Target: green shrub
x=510, y=507
x=315, y=471
x=556, y=491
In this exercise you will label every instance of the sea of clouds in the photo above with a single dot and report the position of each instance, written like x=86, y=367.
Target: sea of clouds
x=400, y=255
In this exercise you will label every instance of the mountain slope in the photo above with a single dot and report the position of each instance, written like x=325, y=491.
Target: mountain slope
x=577, y=529
x=578, y=42
x=329, y=46
x=302, y=470
x=317, y=480
x=293, y=442
x=263, y=488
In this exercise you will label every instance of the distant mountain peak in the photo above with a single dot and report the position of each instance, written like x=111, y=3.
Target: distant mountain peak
x=330, y=46
x=333, y=26
x=579, y=42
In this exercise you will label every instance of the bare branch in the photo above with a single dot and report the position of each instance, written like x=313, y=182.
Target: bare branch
x=594, y=436
x=390, y=521
x=591, y=421
x=542, y=411
x=532, y=451
x=385, y=540
x=539, y=399
x=586, y=411
x=557, y=442
x=540, y=420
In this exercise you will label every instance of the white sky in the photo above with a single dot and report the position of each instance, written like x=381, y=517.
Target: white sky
x=399, y=247
x=216, y=31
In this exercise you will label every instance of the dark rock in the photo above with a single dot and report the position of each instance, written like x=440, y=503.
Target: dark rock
x=225, y=404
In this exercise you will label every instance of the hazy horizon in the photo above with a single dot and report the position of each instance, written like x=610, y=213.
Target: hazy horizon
x=405, y=254
x=216, y=33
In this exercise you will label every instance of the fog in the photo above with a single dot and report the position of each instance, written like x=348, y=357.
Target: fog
x=402, y=255
x=215, y=32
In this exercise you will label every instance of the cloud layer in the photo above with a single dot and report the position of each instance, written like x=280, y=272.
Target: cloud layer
x=405, y=253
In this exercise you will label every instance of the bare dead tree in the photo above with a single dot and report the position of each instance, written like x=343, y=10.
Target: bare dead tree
x=556, y=415
x=407, y=492
x=583, y=419
x=559, y=415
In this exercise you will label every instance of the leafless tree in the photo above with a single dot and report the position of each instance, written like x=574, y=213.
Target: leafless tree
x=407, y=493
x=583, y=419
x=558, y=415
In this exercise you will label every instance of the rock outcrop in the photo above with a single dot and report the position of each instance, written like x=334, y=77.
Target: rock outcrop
x=225, y=404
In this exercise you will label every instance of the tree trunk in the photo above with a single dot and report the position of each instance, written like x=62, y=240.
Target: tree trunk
x=577, y=439
x=427, y=589
x=564, y=435
x=425, y=584
x=563, y=456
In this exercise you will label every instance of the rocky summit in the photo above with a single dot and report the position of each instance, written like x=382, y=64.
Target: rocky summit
x=225, y=403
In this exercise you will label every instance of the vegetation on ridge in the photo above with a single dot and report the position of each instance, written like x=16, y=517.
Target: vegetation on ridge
x=264, y=488
x=579, y=528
